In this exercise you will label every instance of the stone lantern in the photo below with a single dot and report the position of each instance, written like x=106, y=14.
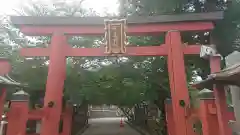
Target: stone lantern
x=230, y=76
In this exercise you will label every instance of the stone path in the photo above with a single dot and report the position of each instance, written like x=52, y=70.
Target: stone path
x=108, y=126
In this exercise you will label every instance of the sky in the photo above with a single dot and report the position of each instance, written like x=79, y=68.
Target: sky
x=99, y=6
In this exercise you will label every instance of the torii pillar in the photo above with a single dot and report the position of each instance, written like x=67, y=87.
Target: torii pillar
x=178, y=82
x=5, y=68
x=220, y=98
x=55, y=84
x=169, y=117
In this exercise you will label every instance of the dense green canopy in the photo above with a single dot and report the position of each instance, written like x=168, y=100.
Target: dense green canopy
x=117, y=80
x=123, y=81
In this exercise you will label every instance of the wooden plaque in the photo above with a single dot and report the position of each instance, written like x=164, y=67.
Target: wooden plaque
x=115, y=36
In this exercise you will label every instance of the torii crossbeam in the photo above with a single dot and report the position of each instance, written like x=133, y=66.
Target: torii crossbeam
x=173, y=47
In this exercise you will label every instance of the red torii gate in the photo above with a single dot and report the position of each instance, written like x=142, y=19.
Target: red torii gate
x=173, y=47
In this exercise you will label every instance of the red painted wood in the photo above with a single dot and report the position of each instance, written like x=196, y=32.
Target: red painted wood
x=169, y=119
x=220, y=99
x=131, y=51
x=5, y=66
x=39, y=114
x=36, y=114
x=18, y=117
x=131, y=29
x=67, y=121
x=231, y=116
x=2, y=100
x=29, y=52
x=173, y=48
x=171, y=123
x=190, y=129
x=209, y=121
x=54, y=86
x=177, y=77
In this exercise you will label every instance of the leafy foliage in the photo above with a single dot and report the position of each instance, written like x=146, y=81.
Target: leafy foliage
x=94, y=79
x=123, y=81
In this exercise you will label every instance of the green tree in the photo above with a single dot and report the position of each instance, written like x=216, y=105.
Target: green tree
x=121, y=81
